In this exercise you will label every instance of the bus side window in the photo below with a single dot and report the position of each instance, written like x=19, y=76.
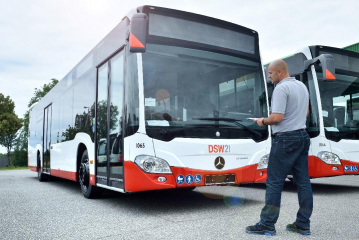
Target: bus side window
x=102, y=147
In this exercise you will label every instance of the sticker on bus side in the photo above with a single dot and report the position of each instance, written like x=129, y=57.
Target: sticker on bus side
x=189, y=179
x=197, y=178
x=350, y=168
x=219, y=148
x=180, y=179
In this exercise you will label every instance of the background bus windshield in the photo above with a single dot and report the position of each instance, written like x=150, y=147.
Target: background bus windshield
x=340, y=106
x=195, y=93
x=340, y=98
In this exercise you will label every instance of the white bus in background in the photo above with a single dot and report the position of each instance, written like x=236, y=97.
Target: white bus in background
x=332, y=78
x=160, y=103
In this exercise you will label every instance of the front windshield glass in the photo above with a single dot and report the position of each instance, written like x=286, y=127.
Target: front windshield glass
x=201, y=94
x=340, y=106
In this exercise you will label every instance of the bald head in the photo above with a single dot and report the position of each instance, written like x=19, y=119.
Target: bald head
x=278, y=70
x=280, y=64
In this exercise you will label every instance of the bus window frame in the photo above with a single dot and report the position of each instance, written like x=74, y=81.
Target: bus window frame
x=204, y=20
x=107, y=61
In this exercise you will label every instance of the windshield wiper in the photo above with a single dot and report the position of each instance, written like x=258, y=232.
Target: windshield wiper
x=232, y=120
x=164, y=131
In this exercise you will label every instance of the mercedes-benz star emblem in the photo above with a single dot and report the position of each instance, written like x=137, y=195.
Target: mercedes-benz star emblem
x=218, y=134
x=219, y=162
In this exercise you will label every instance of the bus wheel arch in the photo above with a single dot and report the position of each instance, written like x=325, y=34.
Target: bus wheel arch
x=80, y=150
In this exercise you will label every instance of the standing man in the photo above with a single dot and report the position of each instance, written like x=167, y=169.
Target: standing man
x=289, y=152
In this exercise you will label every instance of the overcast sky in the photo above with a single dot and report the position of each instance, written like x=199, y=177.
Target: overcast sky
x=44, y=39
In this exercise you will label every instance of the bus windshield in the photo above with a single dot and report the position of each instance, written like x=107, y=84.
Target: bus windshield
x=202, y=94
x=340, y=106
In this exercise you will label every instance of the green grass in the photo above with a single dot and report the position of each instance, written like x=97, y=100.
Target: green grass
x=13, y=168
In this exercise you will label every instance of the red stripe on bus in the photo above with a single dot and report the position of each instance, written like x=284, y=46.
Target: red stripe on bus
x=92, y=179
x=261, y=176
x=349, y=163
x=243, y=175
x=317, y=168
x=64, y=174
x=33, y=168
x=137, y=180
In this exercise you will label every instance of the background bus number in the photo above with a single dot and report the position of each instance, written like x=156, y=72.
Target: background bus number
x=140, y=145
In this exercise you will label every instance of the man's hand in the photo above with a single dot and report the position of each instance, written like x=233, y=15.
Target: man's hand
x=259, y=121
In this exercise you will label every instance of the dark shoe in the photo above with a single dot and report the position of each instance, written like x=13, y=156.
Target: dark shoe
x=259, y=229
x=294, y=228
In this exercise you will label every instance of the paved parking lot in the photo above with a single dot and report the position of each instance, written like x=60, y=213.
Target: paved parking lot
x=57, y=210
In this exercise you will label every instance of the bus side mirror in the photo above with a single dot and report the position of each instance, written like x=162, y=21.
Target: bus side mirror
x=327, y=62
x=138, y=32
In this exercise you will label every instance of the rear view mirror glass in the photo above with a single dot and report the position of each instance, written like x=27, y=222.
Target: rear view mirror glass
x=138, y=32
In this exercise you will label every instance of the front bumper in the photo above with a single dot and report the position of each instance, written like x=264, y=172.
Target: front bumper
x=137, y=180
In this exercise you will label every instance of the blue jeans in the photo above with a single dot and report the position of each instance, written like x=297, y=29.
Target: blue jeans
x=289, y=152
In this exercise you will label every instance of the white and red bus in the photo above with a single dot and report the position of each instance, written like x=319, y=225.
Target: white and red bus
x=332, y=78
x=160, y=103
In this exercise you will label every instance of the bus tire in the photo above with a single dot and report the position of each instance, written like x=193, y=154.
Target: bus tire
x=40, y=175
x=88, y=190
x=187, y=189
x=291, y=180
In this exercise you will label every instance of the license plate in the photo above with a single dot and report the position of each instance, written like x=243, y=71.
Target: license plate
x=220, y=179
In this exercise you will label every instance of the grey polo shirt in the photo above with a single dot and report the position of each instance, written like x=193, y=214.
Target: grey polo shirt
x=291, y=98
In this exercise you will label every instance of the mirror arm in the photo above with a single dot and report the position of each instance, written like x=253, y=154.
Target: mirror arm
x=327, y=62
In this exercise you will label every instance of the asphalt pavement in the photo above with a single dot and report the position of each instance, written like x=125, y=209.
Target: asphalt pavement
x=56, y=209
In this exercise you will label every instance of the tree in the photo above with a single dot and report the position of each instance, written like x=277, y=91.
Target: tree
x=102, y=117
x=20, y=152
x=40, y=93
x=9, y=123
x=19, y=156
x=8, y=142
x=83, y=123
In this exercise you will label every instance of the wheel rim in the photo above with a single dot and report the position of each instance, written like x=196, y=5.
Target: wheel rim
x=84, y=174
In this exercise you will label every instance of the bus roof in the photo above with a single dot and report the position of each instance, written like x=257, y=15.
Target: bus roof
x=119, y=35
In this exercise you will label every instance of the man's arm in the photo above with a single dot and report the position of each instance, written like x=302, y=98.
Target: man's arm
x=273, y=119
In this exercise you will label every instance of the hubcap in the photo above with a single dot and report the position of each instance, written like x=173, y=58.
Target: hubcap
x=84, y=175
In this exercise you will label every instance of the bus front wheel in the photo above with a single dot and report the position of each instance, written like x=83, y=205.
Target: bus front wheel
x=187, y=189
x=88, y=190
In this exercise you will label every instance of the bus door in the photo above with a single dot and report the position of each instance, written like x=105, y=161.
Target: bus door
x=46, y=143
x=109, y=140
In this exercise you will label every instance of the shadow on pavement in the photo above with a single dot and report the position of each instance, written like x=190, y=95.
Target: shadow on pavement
x=165, y=200
x=318, y=188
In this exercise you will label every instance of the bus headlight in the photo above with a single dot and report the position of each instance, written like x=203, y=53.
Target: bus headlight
x=329, y=158
x=263, y=163
x=152, y=164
